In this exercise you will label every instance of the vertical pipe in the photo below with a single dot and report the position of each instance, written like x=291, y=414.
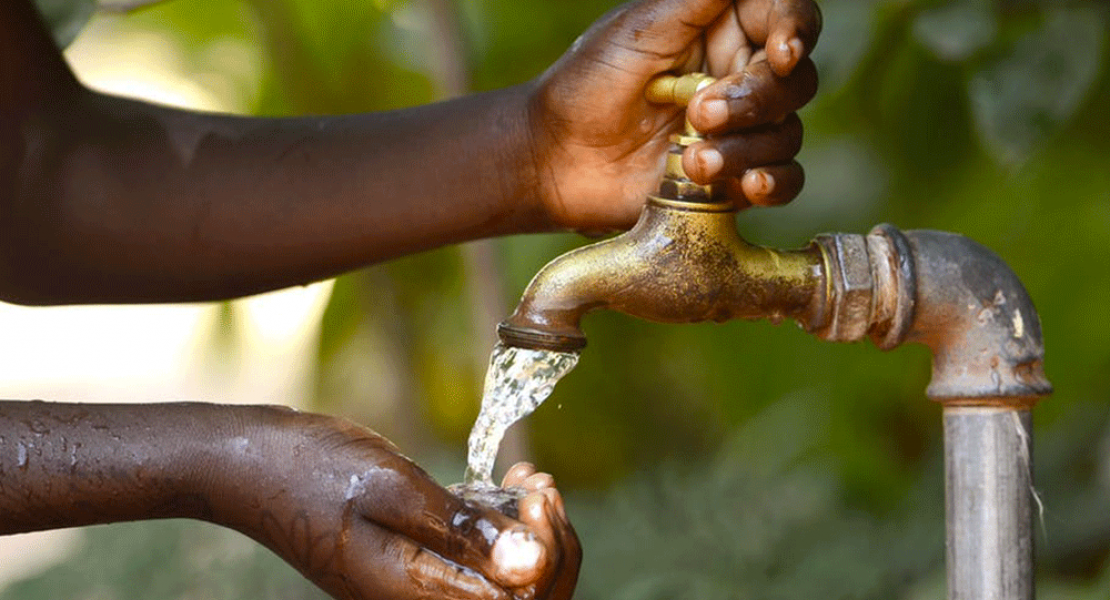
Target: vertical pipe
x=988, y=494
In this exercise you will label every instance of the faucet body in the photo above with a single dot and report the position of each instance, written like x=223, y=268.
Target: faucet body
x=682, y=262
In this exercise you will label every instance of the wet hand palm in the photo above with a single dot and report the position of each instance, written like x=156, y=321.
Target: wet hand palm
x=600, y=144
x=341, y=504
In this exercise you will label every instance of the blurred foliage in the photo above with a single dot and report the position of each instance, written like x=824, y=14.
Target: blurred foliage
x=167, y=560
x=742, y=460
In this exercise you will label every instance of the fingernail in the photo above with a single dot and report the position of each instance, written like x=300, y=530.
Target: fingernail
x=796, y=49
x=710, y=162
x=714, y=113
x=539, y=481
x=517, y=555
x=758, y=184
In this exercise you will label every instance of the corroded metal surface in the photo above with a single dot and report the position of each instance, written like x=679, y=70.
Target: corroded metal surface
x=977, y=318
x=683, y=262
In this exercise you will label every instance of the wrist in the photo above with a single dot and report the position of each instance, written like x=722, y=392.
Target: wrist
x=521, y=171
x=232, y=469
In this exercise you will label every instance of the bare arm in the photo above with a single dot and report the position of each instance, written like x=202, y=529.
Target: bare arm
x=138, y=203
x=110, y=200
x=65, y=465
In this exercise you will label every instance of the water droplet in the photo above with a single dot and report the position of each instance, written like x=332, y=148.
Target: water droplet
x=21, y=456
x=517, y=382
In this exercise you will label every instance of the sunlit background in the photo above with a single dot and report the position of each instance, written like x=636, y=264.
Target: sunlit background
x=741, y=460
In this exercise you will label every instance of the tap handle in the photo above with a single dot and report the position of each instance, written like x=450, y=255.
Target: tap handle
x=679, y=90
x=676, y=89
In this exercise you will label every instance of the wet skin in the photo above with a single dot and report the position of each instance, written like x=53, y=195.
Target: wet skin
x=335, y=500
x=107, y=200
x=110, y=200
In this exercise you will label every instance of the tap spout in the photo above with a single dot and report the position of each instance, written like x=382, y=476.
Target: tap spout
x=683, y=262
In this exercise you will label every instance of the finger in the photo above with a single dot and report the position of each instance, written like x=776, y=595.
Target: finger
x=753, y=97
x=727, y=49
x=536, y=512
x=517, y=473
x=376, y=563
x=662, y=31
x=733, y=155
x=520, y=566
x=550, y=522
x=788, y=29
x=773, y=185
x=520, y=557
x=570, y=553
x=556, y=500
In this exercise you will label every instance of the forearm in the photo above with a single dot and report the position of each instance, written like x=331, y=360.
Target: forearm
x=122, y=201
x=65, y=465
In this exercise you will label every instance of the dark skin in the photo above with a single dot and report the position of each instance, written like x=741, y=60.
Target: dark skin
x=109, y=200
x=334, y=499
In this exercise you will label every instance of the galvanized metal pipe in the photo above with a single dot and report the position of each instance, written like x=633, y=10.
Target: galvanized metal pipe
x=989, y=502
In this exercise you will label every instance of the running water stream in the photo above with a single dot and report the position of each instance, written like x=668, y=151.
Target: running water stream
x=517, y=382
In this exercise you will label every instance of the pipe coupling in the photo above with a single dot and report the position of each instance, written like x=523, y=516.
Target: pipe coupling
x=870, y=286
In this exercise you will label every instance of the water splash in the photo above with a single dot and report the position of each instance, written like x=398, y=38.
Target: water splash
x=517, y=382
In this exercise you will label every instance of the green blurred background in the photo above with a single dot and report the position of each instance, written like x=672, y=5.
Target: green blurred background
x=742, y=460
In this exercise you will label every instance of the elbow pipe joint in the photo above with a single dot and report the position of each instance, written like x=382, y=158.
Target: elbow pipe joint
x=949, y=293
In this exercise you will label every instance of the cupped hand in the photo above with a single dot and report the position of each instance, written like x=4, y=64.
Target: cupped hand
x=599, y=145
x=344, y=507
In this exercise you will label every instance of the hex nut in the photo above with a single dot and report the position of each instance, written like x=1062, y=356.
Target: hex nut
x=851, y=287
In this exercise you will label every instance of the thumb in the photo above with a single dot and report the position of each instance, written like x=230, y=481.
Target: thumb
x=666, y=27
x=787, y=29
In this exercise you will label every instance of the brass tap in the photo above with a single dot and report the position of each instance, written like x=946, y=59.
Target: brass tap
x=683, y=262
